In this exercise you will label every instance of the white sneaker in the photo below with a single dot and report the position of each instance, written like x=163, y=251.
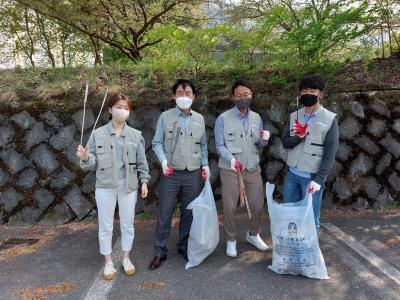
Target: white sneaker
x=129, y=268
x=109, y=271
x=256, y=241
x=231, y=249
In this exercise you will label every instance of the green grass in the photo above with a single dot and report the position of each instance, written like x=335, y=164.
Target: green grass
x=145, y=216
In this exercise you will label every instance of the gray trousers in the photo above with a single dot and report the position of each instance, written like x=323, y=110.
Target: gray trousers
x=188, y=184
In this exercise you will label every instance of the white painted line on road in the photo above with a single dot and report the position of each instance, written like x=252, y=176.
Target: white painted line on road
x=367, y=254
x=99, y=288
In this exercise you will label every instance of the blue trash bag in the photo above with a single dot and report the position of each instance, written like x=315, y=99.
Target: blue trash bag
x=204, y=231
x=295, y=247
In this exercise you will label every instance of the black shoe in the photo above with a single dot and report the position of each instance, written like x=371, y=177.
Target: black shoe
x=183, y=253
x=156, y=262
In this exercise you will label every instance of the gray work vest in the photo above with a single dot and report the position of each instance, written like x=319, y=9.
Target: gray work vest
x=243, y=147
x=307, y=155
x=106, y=173
x=182, y=148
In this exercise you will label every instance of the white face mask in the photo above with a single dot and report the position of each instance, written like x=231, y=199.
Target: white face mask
x=184, y=102
x=119, y=114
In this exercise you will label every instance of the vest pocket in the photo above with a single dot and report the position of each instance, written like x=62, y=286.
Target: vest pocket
x=100, y=147
x=196, y=149
x=315, y=149
x=230, y=134
x=104, y=173
x=234, y=150
x=104, y=164
x=169, y=134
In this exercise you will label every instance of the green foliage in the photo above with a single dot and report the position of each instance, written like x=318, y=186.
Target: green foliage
x=145, y=216
x=158, y=41
x=279, y=81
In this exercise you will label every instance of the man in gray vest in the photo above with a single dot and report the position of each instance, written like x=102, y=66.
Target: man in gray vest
x=180, y=144
x=312, y=137
x=239, y=135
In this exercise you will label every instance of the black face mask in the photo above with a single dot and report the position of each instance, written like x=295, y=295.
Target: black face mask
x=308, y=100
x=242, y=103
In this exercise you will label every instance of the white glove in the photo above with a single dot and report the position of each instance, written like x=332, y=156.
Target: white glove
x=313, y=187
x=265, y=135
x=205, y=173
x=167, y=170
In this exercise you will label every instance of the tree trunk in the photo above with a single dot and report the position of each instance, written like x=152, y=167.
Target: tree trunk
x=31, y=50
x=97, y=51
x=46, y=37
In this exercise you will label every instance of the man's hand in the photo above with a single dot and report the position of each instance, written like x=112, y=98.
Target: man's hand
x=145, y=191
x=236, y=165
x=205, y=173
x=300, y=130
x=167, y=170
x=313, y=187
x=265, y=135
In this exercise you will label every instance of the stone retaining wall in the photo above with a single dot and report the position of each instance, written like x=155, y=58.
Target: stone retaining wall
x=40, y=179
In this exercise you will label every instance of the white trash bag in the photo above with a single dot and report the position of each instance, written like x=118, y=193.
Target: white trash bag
x=294, y=238
x=204, y=231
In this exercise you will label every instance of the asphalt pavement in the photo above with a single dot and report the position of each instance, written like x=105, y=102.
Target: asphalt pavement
x=66, y=264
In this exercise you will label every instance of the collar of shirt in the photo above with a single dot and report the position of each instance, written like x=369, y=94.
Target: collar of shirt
x=181, y=114
x=111, y=129
x=313, y=114
x=239, y=113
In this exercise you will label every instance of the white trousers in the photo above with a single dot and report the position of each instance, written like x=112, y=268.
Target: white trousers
x=106, y=200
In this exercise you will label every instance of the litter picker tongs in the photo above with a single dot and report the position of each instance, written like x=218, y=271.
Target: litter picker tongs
x=84, y=112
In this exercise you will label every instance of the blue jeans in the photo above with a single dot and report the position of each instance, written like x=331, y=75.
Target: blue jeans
x=295, y=189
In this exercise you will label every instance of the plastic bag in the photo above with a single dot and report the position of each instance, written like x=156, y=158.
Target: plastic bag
x=294, y=238
x=204, y=231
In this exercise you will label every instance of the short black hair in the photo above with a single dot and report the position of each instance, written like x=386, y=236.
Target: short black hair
x=241, y=82
x=313, y=81
x=184, y=83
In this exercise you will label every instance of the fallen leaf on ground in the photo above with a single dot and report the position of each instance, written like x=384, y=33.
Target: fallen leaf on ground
x=153, y=285
x=40, y=293
x=360, y=213
x=393, y=241
x=24, y=249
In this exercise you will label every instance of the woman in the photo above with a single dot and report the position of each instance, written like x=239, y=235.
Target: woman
x=116, y=151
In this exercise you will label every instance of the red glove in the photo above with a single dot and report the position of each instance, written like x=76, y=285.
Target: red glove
x=265, y=134
x=167, y=169
x=300, y=130
x=235, y=165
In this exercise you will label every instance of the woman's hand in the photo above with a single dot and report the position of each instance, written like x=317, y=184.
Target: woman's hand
x=82, y=153
x=145, y=191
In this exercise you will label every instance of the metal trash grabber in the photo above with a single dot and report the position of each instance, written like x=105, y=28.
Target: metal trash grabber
x=84, y=109
x=98, y=116
x=242, y=193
